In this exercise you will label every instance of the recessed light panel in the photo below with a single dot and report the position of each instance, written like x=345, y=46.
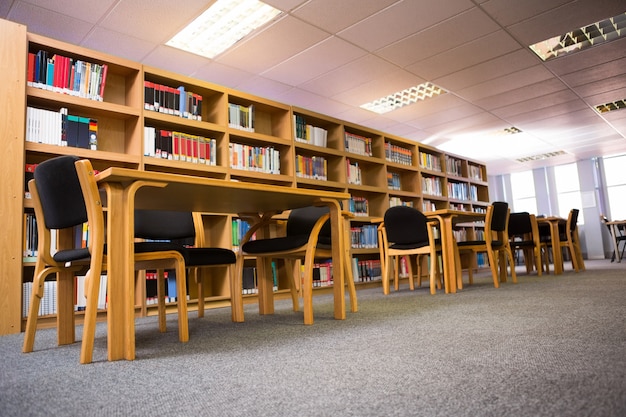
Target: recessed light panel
x=222, y=25
x=403, y=98
x=614, y=105
x=582, y=38
x=540, y=156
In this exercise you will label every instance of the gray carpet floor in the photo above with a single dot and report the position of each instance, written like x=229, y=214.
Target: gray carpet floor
x=549, y=346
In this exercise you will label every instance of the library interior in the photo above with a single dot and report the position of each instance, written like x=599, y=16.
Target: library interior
x=334, y=149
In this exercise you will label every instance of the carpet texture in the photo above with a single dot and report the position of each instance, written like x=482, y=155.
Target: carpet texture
x=547, y=346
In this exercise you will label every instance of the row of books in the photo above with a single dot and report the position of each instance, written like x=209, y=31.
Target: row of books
x=152, y=283
x=179, y=146
x=475, y=172
x=60, y=128
x=239, y=229
x=359, y=206
x=315, y=167
x=174, y=101
x=353, y=172
x=397, y=201
x=249, y=279
x=254, y=158
x=48, y=303
x=453, y=166
x=393, y=181
x=31, y=239
x=364, y=237
x=398, y=154
x=357, y=144
x=366, y=270
x=241, y=117
x=66, y=75
x=458, y=190
x=432, y=186
x=307, y=133
x=430, y=161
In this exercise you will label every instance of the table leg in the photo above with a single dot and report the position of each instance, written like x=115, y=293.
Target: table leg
x=557, y=252
x=447, y=248
x=337, y=231
x=615, y=247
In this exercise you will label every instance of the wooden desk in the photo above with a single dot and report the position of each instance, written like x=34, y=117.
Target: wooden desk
x=127, y=189
x=553, y=223
x=447, y=220
x=614, y=225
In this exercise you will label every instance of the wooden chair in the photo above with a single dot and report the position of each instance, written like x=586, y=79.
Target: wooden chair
x=179, y=235
x=569, y=239
x=495, y=243
x=620, y=237
x=65, y=196
x=405, y=232
x=524, y=235
x=307, y=238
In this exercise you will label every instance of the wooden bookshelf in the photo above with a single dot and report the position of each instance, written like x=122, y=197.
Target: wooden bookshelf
x=123, y=117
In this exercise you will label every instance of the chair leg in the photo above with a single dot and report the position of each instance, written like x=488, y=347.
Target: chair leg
x=181, y=301
x=307, y=290
x=161, y=300
x=351, y=286
x=294, y=283
x=396, y=273
x=385, y=277
x=92, y=281
x=494, y=269
x=198, y=278
x=409, y=268
x=33, y=311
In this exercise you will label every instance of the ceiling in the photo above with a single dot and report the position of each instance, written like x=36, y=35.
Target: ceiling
x=331, y=56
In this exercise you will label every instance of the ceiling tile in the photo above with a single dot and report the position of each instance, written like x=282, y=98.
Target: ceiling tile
x=449, y=34
x=466, y=55
x=400, y=20
x=488, y=70
x=334, y=16
x=311, y=63
x=279, y=41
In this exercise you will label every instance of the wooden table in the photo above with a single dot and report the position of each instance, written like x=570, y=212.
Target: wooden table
x=614, y=226
x=447, y=219
x=553, y=223
x=127, y=189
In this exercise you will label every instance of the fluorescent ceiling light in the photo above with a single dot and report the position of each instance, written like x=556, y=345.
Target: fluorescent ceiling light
x=540, y=156
x=403, y=98
x=582, y=38
x=222, y=25
x=614, y=105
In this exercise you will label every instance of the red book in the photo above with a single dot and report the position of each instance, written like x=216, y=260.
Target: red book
x=31, y=67
x=105, y=68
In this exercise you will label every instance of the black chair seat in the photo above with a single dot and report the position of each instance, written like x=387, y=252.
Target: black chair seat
x=70, y=255
x=408, y=246
x=280, y=244
x=208, y=256
x=494, y=243
x=145, y=247
x=522, y=243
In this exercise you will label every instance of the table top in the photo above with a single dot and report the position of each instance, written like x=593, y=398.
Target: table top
x=185, y=192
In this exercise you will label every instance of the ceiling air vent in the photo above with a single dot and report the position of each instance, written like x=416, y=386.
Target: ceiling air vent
x=540, y=156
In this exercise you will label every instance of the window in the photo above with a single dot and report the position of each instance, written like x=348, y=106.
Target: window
x=523, y=192
x=616, y=185
x=568, y=190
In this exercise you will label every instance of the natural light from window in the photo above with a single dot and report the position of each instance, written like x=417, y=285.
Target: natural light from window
x=568, y=187
x=523, y=192
x=616, y=186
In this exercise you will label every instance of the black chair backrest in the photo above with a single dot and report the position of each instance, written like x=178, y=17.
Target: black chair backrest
x=519, y=224
x=60, y=193
x=572, y=225
x=498, y=217
x=164, y=224
x=405, y=225
x=302, y=220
